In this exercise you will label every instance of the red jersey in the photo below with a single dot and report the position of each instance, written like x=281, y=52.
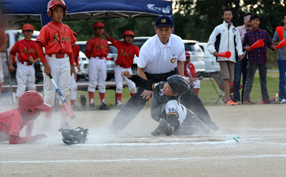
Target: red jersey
x=56, y=38
x=12, y=122
x=96, y=48
x=190, y=71
x=75, y=49
x=25, y=49
x=2, y=37
x=126, y=53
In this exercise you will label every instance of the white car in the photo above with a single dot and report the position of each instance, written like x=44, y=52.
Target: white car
x=212, y=65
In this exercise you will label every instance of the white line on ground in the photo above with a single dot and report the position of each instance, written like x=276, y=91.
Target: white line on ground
x=145, y=159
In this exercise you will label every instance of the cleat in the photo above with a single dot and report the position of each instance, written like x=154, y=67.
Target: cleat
x=92, y=107
x=103, y=107
x=163, y=128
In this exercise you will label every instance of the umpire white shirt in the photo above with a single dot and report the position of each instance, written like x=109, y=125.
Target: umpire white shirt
x=158, y=58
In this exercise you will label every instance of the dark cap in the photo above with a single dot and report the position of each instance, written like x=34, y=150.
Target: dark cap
x=163, y=20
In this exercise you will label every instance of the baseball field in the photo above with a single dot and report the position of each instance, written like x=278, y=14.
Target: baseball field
x=259, y=148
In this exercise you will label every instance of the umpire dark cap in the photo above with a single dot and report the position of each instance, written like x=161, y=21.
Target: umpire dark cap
x=163, y=20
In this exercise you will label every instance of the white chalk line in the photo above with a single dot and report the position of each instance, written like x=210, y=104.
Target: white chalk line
x=143, y=159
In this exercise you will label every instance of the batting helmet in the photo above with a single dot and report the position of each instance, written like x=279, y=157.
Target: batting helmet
x=27, y=27
x=178, y=84
x=30, y=101
x=53, y=4
x=128, y=32
x=98, y=25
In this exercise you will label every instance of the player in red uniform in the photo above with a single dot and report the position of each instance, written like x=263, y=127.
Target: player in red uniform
x=73, y=86
x=126, y=51
x=27, y=56
x=57, y=38
x=11, y=122
x=190, y=73
x=2, y=48
x=97, y=50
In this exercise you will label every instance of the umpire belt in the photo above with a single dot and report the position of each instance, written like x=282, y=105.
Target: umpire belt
x=59, y=55
x=159, y=77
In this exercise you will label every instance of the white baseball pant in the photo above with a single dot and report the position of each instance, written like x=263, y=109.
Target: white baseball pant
x=97, y=74
x=73, y=87
x=1, y=71
x=119, y=80
x=25, y=76
x=60, y=71
x=197, y=84
x=174, y=106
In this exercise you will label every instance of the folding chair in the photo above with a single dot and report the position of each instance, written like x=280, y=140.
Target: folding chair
x=219, y=81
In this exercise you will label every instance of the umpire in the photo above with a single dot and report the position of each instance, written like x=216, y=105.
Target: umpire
x=158, y=58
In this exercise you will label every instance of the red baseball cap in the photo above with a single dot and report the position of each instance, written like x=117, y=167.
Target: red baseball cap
x=128, y=32
x=27, y=27
x=187, y=54
x=98, y=25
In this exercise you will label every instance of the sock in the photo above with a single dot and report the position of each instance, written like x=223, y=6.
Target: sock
x=72, y=102
x=63, y=114
x=132, y=94
x=91, y=97
x=101, y=96
x=196, y=91
x=118, y=98
x=48, y=116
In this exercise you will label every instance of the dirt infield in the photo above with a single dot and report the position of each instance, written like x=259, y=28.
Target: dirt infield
x=261, y=150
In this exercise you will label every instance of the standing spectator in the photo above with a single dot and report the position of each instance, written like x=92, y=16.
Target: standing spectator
x=97, y=50
x=257, y=58
x=224, y=38
x=2, y=49
x=73, y=86
x=281, y=61
x=126, y=51
x=191, y=74
x=27, y=56
x=241, y=66
x=57, y=38
x=158, y=58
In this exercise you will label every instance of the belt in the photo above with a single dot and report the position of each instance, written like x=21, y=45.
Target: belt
x=100, y=57
x=26, y=63
x=58, y=55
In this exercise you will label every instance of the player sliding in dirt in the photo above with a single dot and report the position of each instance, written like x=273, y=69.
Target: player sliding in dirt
x=173, y=117
x=11, y=122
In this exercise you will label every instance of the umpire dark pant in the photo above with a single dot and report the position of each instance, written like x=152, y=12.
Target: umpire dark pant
x=136, y=103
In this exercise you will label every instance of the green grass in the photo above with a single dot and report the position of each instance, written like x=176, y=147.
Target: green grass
x=207, y=92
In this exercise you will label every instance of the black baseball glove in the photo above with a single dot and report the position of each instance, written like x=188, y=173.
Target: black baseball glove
x=74, y=136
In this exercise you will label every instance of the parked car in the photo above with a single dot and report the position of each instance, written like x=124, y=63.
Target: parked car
x=211, y=65
x=110, y=63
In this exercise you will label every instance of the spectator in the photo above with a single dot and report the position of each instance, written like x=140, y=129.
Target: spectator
x=2, y=49
x=224, y=38
x=281, y=61
x=257, y=58
x=241, y=66
x=190, y=73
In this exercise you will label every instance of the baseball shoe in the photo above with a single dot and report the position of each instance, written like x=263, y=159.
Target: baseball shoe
x=103, y=107
x=112, y=130
x=65, y=125
x=92, y=107
x=230, y=102
x=163, y=128
x=74, y=108
x=283, y=101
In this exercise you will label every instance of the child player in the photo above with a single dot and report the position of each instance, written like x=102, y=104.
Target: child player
x=30, y=104
x=73, y=86
x=57, y=38
x=126, y=51
x=97, y=50
x=166, y=108
x=27, y=56
x=190, y=73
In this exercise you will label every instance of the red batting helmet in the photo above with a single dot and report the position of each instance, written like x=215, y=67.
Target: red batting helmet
x=30, y=101
x=128, y=32
x=98, y=25
x=53, y=4
x=27, y=27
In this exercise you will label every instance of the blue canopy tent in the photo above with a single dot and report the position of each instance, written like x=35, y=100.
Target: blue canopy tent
x=36, y=10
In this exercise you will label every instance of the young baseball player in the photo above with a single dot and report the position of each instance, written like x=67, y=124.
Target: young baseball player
x=190, y=73
x=57, y=38
x=97, y=50
x=126, y=51
x=27, y=56
x=73, y=86
x=2, y=48
x=11, y=122
x=166, y=108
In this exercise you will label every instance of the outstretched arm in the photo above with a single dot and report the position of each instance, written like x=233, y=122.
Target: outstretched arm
x=139, y=81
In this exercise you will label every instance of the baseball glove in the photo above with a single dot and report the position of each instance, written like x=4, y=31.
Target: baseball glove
x=74, y=136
